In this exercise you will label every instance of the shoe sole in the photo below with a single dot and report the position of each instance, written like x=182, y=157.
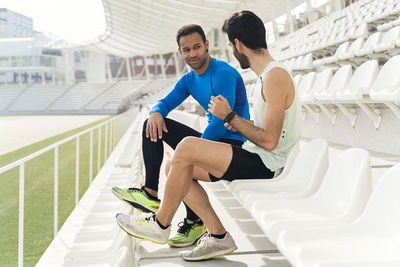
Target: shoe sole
x=187, y=244
x=140, y=237
x=135, y=204
x=211, y=256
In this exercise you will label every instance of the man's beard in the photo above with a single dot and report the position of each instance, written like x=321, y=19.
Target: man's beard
x=242, y=58
x=201, y=61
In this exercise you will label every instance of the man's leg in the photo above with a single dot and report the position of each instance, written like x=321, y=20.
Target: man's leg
x=153, y=152
x=213, y=157
x=146, y=198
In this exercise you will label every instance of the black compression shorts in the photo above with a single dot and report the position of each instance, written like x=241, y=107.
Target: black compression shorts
x=244, y=165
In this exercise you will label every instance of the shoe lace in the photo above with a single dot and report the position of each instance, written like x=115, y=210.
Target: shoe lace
x=145, y=218
x=185, y=226
x=133, y=189
x=202, y=242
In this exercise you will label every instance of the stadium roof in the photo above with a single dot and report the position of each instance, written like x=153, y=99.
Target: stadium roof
x=146, y=27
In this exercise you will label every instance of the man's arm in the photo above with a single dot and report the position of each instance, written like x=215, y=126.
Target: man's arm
x=156, y=124
x=224, y=84
x=276, y=89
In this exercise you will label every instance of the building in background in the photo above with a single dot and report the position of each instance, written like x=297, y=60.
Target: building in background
x=15, y=25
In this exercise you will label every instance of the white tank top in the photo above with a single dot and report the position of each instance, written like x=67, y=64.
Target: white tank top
x=291, y=129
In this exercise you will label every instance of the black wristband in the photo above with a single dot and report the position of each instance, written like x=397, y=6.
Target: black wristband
x=230, y=116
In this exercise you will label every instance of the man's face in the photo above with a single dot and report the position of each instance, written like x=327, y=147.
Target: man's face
x=193, y=50
x=242, y=58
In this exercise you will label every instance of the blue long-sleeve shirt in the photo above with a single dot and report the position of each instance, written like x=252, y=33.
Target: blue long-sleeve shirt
x=219, y=79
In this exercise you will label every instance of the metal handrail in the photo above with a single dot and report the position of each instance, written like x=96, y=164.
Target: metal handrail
x=110, y=142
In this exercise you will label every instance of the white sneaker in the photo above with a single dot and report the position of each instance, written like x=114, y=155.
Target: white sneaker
x=210, y=247
x=144, y=227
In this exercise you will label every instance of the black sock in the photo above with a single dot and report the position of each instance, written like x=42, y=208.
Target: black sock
x=159, y=224
x=149, y=195
x=219, y=236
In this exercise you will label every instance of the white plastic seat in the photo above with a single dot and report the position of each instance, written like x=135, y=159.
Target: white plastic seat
x=297, y=80
x=341, y=197
x=300, y=180
x=369, y=44
x=340, y=80
x=355, y=46
x=373, y=237
x=306, y=63
x=339, y=51
x=306, y=83
x=388, y=41
x=360, y=82
x=361, y=31
x=387, y=84
x=321, y=82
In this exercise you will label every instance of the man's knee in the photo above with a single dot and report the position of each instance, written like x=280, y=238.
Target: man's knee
x=186, y=148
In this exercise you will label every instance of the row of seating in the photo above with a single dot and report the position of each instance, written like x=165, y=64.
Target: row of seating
x=323, y=36
x=320, y=215
x=343, y=89
x=81, y=97
x=379, y=45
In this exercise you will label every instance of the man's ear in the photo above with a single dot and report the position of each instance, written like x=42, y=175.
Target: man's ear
x=207, y=45
x=180, y=51
x=239, y=45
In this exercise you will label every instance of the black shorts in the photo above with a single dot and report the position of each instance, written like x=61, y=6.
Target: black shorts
x=244, y=165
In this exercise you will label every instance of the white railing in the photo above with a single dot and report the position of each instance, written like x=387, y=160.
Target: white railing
x=113, y=128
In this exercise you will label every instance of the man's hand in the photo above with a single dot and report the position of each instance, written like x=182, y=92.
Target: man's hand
x=230, y=127
x=155, y=126
x=219, y=107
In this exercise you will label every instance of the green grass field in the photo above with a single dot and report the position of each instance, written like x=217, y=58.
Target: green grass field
x=39, y=184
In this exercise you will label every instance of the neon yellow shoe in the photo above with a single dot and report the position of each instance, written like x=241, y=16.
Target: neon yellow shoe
x=138, y=198
x=188, y=233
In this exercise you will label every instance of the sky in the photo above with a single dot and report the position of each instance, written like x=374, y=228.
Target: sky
x=72, y=20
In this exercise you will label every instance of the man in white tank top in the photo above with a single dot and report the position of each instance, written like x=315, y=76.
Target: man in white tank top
x=273, y=133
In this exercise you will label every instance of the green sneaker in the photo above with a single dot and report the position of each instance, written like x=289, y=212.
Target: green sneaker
x=138, y=198
x=188, y=233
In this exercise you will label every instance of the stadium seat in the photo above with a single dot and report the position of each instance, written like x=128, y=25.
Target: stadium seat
x=300, y=180
x=306, y=83
x=388, y=43
x=355, y=46
x=322, y=81
x=339, y=51
x=360, y=82
x=369, y=44
x=341, y=197
x=340, y=80
x=371, y=238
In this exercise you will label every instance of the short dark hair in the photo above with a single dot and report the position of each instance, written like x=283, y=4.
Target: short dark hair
x=246, y=27
x=190, y=29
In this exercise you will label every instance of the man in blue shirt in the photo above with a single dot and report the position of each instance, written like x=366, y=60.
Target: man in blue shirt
x=209, y=77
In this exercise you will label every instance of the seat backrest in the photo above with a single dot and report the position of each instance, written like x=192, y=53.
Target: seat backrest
x=321, y=82
x=356, y=45
x=391, y=36
x=388, y=76
x=342, y=48
x=362, y=30
x=306, y=83
x=309, y=166
x=297, y=80
x=346, y=185
x=373, y=40
x=363, y=77
x=340, y=79
x=382, y=211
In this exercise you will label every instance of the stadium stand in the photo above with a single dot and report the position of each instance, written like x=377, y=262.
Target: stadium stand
x=347, y=66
